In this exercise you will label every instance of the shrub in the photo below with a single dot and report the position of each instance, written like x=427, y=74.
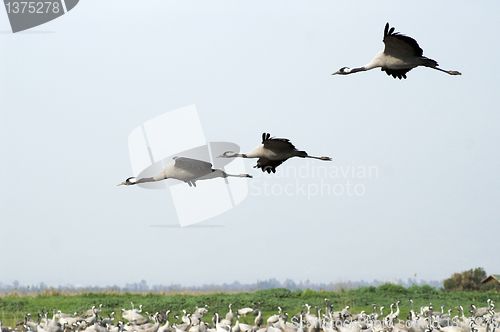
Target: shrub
x=466, y=280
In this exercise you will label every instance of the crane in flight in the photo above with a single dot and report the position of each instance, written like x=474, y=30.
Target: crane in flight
x=187, y=170
x=400, y=55
x=272, y=153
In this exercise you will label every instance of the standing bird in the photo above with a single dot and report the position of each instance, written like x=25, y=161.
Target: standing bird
x=187, y=170
x=258, y=320
x=272, y=153
x=245, y=311
x=230, y=314
x=3, y=329
x=401, y=54
x=480, y=312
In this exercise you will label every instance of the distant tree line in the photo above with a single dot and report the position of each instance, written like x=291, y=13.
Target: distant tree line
x=469, y=280
x=143, y=287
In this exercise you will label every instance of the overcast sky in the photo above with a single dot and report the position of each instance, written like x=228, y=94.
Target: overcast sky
x=72, y=90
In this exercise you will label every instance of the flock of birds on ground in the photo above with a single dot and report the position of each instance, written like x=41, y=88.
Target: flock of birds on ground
x=400, y=55
x=480, y=319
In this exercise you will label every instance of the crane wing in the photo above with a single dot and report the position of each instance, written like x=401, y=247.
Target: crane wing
x=277, y=144
x=396, y=73
x=265, y=137
x=268, y=165
x=399, y=45
x=193, y=165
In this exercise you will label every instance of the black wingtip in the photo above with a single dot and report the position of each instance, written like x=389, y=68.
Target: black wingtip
x=265, y=137
x=386, y=30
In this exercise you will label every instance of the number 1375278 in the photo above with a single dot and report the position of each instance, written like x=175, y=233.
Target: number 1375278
x=33, y=7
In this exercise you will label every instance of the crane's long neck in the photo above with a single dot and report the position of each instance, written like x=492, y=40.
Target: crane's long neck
x=357, y=69
x=145, y=180
x=375, y=63
x=230, y=154
x=258, y=152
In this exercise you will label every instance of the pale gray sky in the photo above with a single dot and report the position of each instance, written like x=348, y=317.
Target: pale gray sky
x=73, y=89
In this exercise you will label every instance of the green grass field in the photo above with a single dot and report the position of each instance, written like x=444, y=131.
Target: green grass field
x=13, y=307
